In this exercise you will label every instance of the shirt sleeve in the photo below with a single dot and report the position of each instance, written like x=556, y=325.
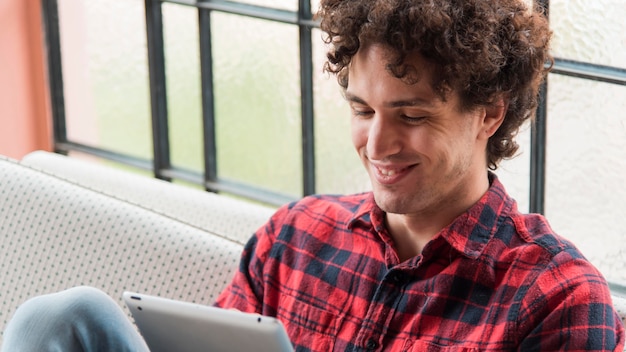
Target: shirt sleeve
x=569, y=308
x=246, y=290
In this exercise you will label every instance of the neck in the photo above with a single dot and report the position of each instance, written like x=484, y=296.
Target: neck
x=412, y=232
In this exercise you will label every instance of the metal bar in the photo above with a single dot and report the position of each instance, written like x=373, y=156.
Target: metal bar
x=208, y=97
x=307, y=103
x=538, y=144
x=67, y=147
x=231, y=187
x=250, y=192
x=219, y=185
x=50, y=12
x=158, y=94
x=590, y=71
x=248, y=10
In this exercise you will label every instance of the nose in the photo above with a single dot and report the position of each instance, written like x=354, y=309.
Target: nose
x=384, y=138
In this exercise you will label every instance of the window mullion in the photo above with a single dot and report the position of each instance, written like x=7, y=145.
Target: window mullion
x=208, y=97
x=55, y=71
x=538, y=139
x=306, y=91
x=158, y=92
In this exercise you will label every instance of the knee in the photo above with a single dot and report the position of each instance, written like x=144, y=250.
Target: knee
x=80, y=296
x=50, y=318
x=59, y=306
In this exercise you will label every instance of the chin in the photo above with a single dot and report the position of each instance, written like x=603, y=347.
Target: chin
x=391, y=203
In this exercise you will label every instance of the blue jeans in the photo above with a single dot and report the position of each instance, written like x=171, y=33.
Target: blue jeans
x=78, y=319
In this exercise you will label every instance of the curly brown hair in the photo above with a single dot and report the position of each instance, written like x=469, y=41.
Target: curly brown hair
x=483, y=50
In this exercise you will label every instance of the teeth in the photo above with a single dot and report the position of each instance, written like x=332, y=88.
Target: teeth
x=387, y=172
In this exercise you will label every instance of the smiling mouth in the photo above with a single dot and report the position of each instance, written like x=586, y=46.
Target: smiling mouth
x=391, y=172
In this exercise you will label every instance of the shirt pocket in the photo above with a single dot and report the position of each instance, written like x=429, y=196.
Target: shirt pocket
x=311, y=328
x=425, y=346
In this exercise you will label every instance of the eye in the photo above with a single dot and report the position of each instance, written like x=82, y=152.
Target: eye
x=413, y=119
x=361, y=112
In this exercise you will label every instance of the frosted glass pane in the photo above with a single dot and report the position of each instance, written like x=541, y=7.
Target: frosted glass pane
x=338, y=167
x=291, y=5
x=514, y=173
x=315, y=6
x=182, y=63
x=105, y=73
x=586, y=197
x=257, y=92
x=593, y=31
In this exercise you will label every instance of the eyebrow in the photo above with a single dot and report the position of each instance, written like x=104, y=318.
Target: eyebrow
x=392, y=104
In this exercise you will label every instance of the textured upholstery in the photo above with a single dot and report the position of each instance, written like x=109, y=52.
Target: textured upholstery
x=55, y=235
x=219, y=214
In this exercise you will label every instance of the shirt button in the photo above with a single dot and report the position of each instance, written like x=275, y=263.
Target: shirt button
x=371, y=344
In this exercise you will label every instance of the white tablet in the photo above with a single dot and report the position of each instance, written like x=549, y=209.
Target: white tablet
x=169, y=325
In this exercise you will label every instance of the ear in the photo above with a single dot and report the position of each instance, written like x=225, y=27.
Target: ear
x=493, y=118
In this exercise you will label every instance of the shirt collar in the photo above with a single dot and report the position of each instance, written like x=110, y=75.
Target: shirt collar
x=469, y=233
x=366, y=210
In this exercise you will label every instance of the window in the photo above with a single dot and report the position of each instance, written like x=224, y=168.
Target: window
x=230, y=96
x=228, y=92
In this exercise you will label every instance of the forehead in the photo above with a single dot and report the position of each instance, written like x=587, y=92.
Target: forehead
x=371, y=73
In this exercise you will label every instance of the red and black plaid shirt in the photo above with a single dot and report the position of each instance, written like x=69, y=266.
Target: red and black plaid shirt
x=494, y=280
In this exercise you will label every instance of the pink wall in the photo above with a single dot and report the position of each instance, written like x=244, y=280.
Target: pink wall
x=25, y=123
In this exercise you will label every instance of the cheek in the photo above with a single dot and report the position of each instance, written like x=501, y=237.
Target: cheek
x=359, y=133
x=421, y=141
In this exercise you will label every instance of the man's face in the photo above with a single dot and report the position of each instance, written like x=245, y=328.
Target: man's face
x=422, y=154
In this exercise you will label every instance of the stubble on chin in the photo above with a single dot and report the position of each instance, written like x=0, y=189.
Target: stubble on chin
x=397, y=202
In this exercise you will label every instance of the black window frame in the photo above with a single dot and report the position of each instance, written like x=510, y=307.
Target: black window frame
x=161, y=165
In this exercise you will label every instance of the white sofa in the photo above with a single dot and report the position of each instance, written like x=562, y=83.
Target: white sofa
x=66, y=222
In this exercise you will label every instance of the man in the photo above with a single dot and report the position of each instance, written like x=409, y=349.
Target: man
x=437, y=257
